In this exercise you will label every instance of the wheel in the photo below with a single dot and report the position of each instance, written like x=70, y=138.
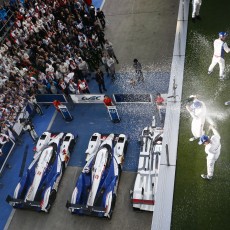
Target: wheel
x=63, y=167
x=112, y=207
x=71, y=146
x=52, y=198
x=125, y=148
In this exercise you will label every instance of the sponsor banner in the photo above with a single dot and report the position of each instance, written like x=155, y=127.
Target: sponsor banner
x=87, y=98
x=112, y=110
x=132, y=98
x=49, y=98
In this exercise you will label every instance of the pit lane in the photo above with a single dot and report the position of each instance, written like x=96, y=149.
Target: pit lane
x=60, y=218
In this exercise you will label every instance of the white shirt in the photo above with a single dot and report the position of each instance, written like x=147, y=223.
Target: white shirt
x=213, y=148
x=219, y=48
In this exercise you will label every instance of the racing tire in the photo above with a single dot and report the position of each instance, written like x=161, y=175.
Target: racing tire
x=71, y=146
x=112, y=207
x=63, y=167
x=125, y=148
x=52, y=198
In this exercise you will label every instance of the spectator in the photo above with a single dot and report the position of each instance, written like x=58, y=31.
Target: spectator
x=110, y=51
x=83, y=87
x=100, y=80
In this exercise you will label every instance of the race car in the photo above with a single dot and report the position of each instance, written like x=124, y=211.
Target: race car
x=38, y=187
x=96, y=188
x=42, y=143
x=145, y=187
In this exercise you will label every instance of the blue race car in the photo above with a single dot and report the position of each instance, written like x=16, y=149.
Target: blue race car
x=38, y=187
x=96, y=188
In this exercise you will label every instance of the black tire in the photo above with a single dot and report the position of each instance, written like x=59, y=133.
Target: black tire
x=63, y=167
x=71, y=146
x=125, y=148
x=112, y=207
x=52, y=198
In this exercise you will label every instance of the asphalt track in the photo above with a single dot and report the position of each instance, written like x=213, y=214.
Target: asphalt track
x=138, y=29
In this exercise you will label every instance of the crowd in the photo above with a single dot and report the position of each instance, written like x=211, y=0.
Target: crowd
x=53, y=47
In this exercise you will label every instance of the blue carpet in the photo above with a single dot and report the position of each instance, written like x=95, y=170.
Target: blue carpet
x=10, y=177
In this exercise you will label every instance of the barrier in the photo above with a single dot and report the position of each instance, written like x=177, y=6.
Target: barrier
x=132, y=98
x=6, y=149
x=87, y=98
x=49, y=98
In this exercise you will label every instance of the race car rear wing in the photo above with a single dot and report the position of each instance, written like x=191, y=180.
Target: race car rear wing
x=84, y=209
x=26, y=204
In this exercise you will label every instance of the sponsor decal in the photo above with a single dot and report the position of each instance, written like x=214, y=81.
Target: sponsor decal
x=87, y=98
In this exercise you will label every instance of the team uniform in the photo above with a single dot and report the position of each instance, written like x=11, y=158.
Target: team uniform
x=198, y=112
x=220, y=47
x=196, y=4
x=212, y=149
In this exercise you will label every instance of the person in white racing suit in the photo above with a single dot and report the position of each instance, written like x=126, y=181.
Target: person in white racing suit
x=220, y=46
x=212, y=149
x=198, y=113
x=196, y=4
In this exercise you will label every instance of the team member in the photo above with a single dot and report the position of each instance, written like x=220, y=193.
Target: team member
x=212, y=149
x=107, y=101
x=159, y=100
x=218, y=57
x=56, y=103
x=198, y=112
x=196, y=4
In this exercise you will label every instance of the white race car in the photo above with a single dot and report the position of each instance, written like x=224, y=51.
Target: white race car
x=42, y=143
x=38, y=187
x=96, y=188
x=145, y=187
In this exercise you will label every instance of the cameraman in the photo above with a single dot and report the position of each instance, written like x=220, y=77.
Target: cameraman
x=28, y=126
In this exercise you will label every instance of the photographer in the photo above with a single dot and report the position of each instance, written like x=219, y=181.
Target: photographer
x=28, y=126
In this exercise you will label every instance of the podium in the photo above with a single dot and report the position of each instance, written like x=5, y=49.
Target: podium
x=65, y=113
x=114, y=116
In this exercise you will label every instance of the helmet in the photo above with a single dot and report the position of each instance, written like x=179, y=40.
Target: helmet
x=203, y=139
x=196, y=104
x=223, y=34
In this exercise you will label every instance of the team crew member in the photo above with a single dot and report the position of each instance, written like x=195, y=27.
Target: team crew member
x=198, y=112
x=107, y=101
x=220, y=46
x=196, y=4
x=159, y=100
x=212, y=149
x=56, y=103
